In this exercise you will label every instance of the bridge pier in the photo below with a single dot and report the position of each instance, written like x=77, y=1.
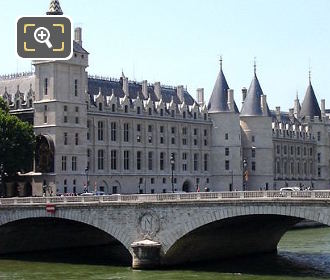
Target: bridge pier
x=146, y=254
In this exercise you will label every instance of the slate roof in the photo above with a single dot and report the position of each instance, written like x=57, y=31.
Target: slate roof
x=78, y=48
x=219, y=97
x=115, y=86
x=54, y=8
x=252, y=102
x=310, y=106
x=284, y=118
x=10, y=84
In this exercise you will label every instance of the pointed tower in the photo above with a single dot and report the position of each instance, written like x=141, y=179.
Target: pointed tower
x=310, y=107
x=256, y=125
x=54, y=8
x=61, y=115
x=226, y=137
x=297, y=107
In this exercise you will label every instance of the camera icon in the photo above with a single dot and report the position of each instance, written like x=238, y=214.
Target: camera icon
x=44, y=37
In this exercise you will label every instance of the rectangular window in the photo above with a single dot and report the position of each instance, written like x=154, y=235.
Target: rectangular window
x=88, y=129
x=285, y=149
x=173, y=140
x=184, y=156
x=291, y=150
x=253, y=153
x=161, y=140
x=195, y=142
x=65, y=108
x=76, y=139
x=319, y=174
x=126, y=132
x=138, y=110
x=298, y=151
x=195, y=131
x=226, y=151
x=149, y=128
x=310, y=151
x=77, y=109
x=113, y=131
x=318, y=157
x=226, y=136
x=150, y=160
x=75, y=87
x=100, y=131
x=74, y=163
x=184, y=167
x=278, y=149
x=113, y=160
x=195, y=162
x=253, y=138
x=161, y=129
x=253, y=166
x=161, y=161
x=63, y=163
x=77, y=120
x=184, y=131
x=162, y=112
x=172, y=113
x=205, y=132
x=138, y=160
x=100, y=159
x=65, y=138
x=227, y=164
x=46, y=86
x=126, y=160
x=138, y=127
x=65, y=119
x=318, y=136
x=45, y=117
x=206, y=158
x=173, y=130
x=184, y=141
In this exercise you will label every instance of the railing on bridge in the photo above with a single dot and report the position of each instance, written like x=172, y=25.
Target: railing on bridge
x=172, y=197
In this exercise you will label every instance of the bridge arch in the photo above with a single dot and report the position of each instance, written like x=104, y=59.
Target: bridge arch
x=87, y=217
x=275, y=221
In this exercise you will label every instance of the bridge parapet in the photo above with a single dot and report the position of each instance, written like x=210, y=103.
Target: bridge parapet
x=173, y=197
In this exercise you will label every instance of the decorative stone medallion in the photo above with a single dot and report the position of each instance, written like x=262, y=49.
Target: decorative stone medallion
x=149, y=224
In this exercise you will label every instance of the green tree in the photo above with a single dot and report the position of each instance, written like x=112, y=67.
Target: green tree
x=17, y=142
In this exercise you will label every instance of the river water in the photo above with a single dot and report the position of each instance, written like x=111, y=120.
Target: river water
x=303, y=254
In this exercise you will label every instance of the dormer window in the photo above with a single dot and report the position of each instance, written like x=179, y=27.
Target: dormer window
x=150, y=111
x=75, y=87
x=162, y=112
x=100, y=107
x=138, y=110
x=113, y=108
x=184, y=114
x=195, y=115
x=126, y=108
x=172, y=113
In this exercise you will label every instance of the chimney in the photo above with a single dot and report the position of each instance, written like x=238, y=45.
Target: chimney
x=264, y=104
x=278, y=110
x=180, y=93
x=323, y=107
x=78, y=35
x=125, y=86
x=200, y=96
x=244, y=93
x=230, y=101
x=158, y=90
x=145, y=89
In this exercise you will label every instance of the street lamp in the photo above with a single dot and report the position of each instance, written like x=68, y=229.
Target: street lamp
x=245, y=164
x=172, y=161
x=86, y=172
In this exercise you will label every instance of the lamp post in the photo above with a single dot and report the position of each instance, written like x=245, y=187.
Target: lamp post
x=172, y=161
x=86, y=172
x=245, y=164
x=1, y=180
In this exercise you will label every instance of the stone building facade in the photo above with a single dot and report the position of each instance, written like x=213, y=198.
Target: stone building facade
x=121, y=136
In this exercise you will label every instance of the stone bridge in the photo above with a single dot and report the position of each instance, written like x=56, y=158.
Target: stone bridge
x=160, y=229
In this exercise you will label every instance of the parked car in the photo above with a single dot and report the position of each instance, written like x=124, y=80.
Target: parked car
x=290, y=189
x=87, y=194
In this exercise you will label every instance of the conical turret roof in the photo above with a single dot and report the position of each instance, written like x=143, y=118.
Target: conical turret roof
x=54, y=8
x=310, y=106
x=252, y=102
x=219, y=96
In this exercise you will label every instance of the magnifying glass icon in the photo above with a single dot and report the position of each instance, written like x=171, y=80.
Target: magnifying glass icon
x=41, y=35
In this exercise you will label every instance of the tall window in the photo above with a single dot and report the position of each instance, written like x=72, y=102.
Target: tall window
x=74, y=163
x=88, y=158
x=100, y=107
x=226, y=151
x=88, y=129
x=206, y=159
x=253, y=166
x=100, y=159
x=113, y=131
x=75, y=87
x=126, y=108
x=126, y=132
x=195, y=162
x=318, y=136
x=100, y=131
x=227, y=165
x=46, y=86
x=253, y=152
x=150, y=160
x=138, y=110
x=161, y=161
x=113, y=107
x=65, y=138
x=138, y=160
x=162, y=112
x=113, y=159
x=63, y=163
x=126, y=160
x=76, y=139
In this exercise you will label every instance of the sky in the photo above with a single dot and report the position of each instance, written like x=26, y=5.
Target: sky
x=180, y=42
